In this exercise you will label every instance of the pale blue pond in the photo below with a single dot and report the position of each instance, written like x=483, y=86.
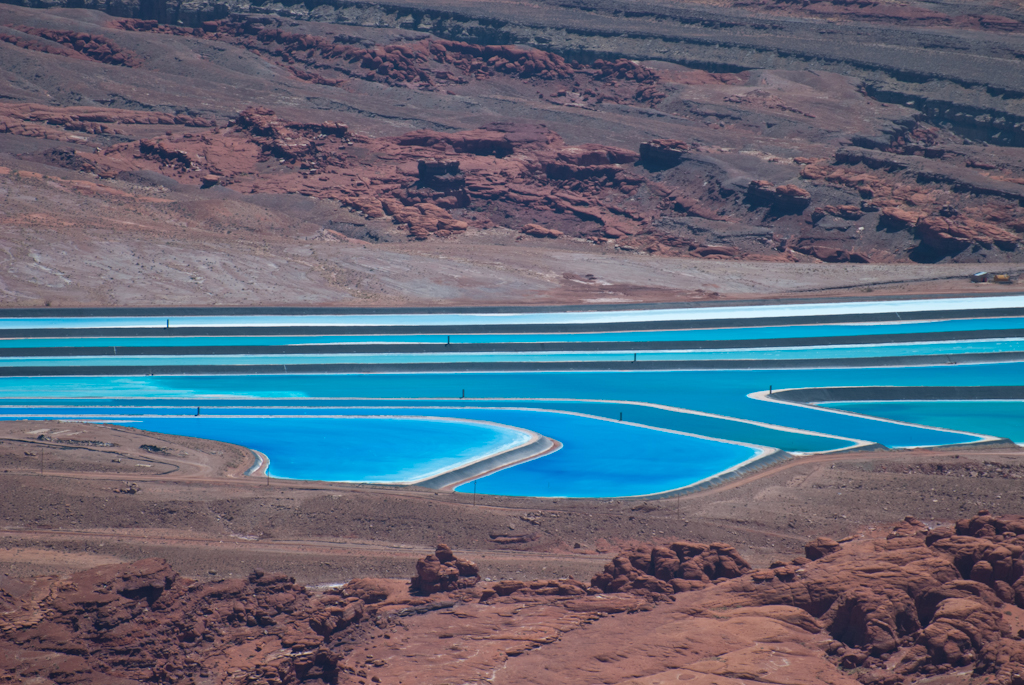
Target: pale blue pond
x=1001, y=418
x=775, y=353
x=758, y=333
x=880, y=307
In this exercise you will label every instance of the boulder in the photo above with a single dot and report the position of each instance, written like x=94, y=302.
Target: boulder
x=539, y=231
x=443, y=572
x=663, y=154
x=820, y=548
x=788, y=198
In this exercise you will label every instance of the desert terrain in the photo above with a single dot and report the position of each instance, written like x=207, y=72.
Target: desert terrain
x=172, y=154
x=480, y=154
x=120, y=510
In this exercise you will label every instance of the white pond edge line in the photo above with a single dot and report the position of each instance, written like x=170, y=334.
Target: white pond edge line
x=765, y=396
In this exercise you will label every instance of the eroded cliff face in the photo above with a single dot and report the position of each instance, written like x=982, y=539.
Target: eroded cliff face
x=442, y=133
x=896, y=608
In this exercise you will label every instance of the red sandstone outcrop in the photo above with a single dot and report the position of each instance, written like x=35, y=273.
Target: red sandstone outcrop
x=851, y=212
x=663, y=154
x=931, y=598
x=927, y=601
x=784, y=198
x=443, y=572
x=74, y=44
x=886, y=609
x=44, y=121
x=497, y=171
x=826, y=253
x=518, y=589
x=894, y=217
x=678, y=567
x=538, y=231
x=953, y=235
x=145, y=622
x=429, y=64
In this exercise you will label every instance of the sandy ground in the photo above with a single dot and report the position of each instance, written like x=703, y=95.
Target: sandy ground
x=67, y=503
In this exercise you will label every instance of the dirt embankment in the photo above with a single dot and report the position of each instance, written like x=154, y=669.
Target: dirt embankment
x=94, y=493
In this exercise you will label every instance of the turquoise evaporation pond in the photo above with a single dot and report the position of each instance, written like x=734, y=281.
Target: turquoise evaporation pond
x=709, y=426
x=1001, y=418
x=360, y=448
x=758, y=333
x=599, y=458
x=830, y=352
x=881, y=307
x=717, y=391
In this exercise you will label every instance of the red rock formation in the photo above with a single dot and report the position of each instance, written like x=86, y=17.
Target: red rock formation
x=951, y=236
x=888, y=609
x=663, y=154
x=443, y=572
x=785, y=198
x=810, y=246
x=144, y=622
x=73, y=43
x=931, y=598
x=427, y=64
x=537, y=588
x=919, y=602
x=538, y=231
x=899, y=219
x=44, y=121
x=663, y=570
x=851, y=212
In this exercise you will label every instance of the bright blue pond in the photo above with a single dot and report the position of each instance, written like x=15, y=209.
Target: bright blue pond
x=1001, y=418
x=365, y=449
x=608, y=459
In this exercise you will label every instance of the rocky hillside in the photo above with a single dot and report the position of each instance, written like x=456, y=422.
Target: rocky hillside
x=821, y=132
x=915, y=604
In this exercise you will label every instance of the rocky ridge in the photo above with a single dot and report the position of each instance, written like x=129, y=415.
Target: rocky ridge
x=919, y=602
x=401, y=124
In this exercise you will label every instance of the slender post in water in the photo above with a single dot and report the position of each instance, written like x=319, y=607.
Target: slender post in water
x=168, y=323
x=197, y=411
x=769, y=390
x=620, y=416
x=463, y=393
